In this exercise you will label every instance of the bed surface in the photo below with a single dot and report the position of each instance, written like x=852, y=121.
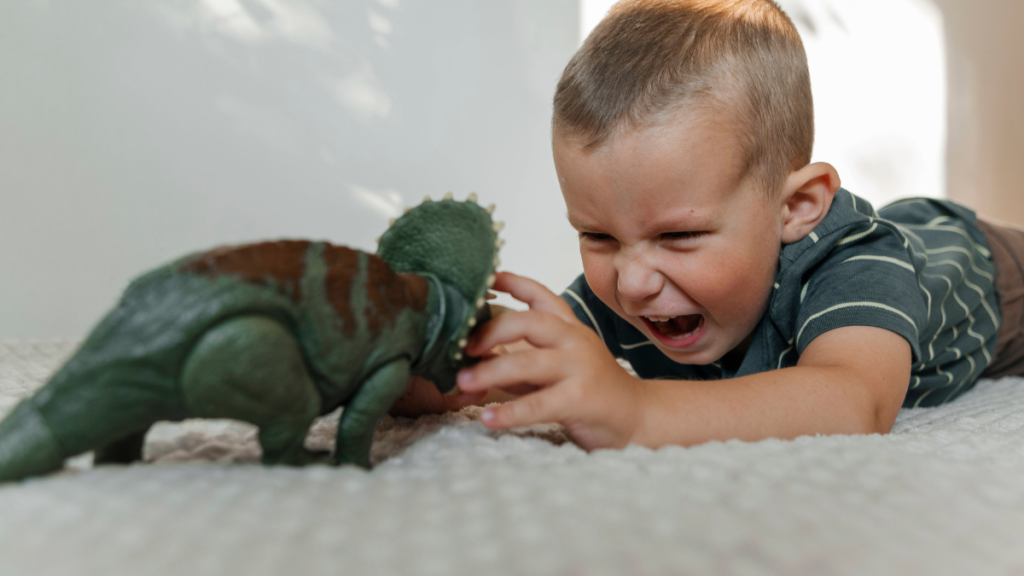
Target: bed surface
x=944, y=493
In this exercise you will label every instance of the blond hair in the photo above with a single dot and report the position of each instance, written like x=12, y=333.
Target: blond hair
x=648, y=58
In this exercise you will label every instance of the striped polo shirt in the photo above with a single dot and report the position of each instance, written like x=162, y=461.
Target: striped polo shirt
x=918, y=267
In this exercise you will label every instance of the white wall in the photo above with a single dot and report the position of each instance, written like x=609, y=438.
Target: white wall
x=134, y=132
x=878, y=73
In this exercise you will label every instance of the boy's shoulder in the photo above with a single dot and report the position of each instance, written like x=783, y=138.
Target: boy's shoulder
x=909, y=227
x=918, y=267
x=866, y=262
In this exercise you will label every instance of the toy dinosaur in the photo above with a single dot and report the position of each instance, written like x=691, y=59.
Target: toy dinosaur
x=274, y=333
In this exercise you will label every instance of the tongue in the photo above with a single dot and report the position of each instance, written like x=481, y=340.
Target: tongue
x=679, y=325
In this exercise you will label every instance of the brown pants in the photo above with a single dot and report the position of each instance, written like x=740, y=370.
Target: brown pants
x=1007, y=246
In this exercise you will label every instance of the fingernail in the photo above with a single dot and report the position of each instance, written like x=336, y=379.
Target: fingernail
x=464, y=378
x=487, y=415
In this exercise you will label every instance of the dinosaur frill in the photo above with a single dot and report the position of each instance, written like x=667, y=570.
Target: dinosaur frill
x=457, y=243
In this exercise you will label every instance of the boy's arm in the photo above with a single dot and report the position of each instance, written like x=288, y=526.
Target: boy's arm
x=849, y=380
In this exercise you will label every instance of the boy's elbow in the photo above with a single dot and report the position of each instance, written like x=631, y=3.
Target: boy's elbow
x=881, y=421
x=871, y=366
x=881, y=414
x=872, y=409
x=869, y=420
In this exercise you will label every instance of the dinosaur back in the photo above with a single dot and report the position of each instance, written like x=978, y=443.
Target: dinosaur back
x=355, y=283
x=279, y=265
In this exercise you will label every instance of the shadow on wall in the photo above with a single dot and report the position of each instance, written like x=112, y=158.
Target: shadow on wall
x=336, y=68
x=135, y=132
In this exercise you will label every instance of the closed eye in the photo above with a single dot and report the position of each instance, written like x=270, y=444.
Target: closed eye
x=683, y=235
x=596, y=236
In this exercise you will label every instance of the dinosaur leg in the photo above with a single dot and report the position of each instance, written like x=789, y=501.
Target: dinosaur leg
x=362, y=413
x=124, y=450
x=251, y=368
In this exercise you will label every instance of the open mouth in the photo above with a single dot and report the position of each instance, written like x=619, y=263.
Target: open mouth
x=676, y=328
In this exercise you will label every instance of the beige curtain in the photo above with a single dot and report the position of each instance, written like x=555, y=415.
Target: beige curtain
x=986, y=105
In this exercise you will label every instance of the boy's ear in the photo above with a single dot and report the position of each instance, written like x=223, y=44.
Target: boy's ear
x=807, y=196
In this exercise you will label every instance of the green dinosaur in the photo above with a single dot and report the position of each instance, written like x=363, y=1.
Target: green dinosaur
x=274, y=333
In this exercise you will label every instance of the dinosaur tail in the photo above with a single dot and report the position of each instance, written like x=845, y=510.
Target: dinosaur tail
x=28, y=447
x=82, y=410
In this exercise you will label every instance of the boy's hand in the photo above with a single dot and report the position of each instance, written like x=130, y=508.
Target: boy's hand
x=569, y=378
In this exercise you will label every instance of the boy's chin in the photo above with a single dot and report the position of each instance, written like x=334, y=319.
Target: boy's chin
x=695, y=357
x=703, y=353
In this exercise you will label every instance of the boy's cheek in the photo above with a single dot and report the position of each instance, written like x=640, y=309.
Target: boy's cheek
x=601, y=278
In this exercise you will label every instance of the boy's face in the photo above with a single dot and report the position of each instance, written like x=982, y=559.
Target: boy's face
x=675, y=238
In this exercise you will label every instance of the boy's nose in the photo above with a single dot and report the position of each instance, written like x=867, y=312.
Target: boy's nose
x=637, y=280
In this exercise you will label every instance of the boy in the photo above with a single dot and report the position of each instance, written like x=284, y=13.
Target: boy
x=755, y=296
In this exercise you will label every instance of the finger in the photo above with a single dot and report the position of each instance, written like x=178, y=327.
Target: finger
x=540, y=329
x=498, y=310
x=520, y=389
x=463, y=399
x=533, y=293
x=536, y=367
x=496, y=351
x=537, y=408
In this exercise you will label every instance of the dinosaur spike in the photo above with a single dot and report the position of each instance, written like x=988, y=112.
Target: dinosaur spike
x=462, y=342
x=497, y=261
x=490, y=208
x=407, y=208
x=391, y=222
x=498, y=226
x=426, y=198
x=490, y=280
x=472, y=322
x=480, y=302
x=448, y=196
x=458, y=356
x=499, y=242
x=378, y=239
x=471, y=197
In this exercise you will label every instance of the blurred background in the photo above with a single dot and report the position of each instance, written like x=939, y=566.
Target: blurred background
x=134, y=131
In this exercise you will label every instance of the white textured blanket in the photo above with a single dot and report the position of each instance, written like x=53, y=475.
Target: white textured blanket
x=944, y=493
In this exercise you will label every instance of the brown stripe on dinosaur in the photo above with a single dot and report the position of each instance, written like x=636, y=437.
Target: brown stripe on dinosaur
x=278, y=264
x=417, y=289
x=387, y=293
x=342, y=266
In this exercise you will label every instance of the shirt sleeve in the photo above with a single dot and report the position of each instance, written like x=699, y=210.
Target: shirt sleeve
x=867, y=279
